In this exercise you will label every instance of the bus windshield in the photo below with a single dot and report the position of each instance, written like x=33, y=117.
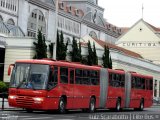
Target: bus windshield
x=30, y=76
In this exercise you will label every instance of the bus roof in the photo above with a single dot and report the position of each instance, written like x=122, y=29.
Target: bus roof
x=141, y=75
x=59, y=63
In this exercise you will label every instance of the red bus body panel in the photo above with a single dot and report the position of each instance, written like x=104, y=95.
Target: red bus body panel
x=78, y=96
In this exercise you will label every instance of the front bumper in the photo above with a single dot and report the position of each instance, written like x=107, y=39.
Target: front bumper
x=36, y=103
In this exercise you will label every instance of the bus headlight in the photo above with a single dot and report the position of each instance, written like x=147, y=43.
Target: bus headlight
x=37, y=100
x=12, y=97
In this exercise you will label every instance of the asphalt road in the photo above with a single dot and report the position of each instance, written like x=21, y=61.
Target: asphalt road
x=148, y=114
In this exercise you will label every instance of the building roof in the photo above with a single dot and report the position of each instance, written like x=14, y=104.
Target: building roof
x=124, y=29
x=72, y=10
x=112, y=46
x=153, y=27
x=11, y=30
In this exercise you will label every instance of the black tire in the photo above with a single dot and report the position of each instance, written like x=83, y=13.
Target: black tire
x=62, y=105
x=118, y=105
x=84, y=110
x=29, y=110
x=92, y=105
x=141, y=106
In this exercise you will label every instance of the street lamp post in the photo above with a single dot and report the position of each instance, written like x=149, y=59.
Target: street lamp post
x=55, y=31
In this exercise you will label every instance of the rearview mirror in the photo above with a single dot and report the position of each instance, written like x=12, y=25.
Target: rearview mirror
x=10, y=69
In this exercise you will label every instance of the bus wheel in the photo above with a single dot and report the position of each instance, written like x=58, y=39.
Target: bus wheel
x=29, y=110
x=62, y=105
x=118, y=105
x=92, y=105
x=141, y=107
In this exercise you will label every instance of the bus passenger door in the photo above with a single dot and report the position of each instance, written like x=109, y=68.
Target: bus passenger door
x=71, y=87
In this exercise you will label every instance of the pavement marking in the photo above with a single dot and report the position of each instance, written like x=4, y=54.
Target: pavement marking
x=23, y=116
x=64, y=119
x=37, y=118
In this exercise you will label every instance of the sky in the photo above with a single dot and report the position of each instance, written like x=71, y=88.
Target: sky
x=125, y=13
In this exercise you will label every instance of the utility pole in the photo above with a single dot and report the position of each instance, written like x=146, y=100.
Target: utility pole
x=142, y=11
x=55, y=30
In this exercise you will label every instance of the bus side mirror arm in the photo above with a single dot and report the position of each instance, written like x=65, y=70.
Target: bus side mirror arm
x=10, y=69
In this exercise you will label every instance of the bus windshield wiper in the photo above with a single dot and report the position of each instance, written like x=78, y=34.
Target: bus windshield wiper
x=19, y=85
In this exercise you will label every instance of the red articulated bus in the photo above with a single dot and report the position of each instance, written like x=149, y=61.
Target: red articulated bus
x=49, y=85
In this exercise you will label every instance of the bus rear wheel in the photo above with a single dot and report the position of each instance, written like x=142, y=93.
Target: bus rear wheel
x=62, y=105
x=92, y=105
x=141, y=107
x=118, y=105
x=29, y=110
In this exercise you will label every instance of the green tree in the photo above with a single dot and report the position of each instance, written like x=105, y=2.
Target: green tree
x=40, y=46
x=110, y=62
x=95, y=58
x=105, y=57
x=90, y=54
x=76, y=51
x=3, y=87
x=80, y=50
x=61, y=47
x=51, y=49
x=57, y=46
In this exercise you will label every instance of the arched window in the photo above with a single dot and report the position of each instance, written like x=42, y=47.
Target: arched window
x=11, y=21
x=1, y=19
x=93, y=34
x=36, y=22
x=68, y=39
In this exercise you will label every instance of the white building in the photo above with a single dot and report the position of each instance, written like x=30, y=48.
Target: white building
x=144, y=38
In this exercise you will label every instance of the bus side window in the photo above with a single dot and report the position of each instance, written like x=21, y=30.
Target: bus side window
x=143, y=83
x=94, y=77
x=86, y=80
x=63, y=75
x=133, y=82
x=148, y=84
x=53, y=80
x=71, y=76
x=122, y=80
x=78, y=76
x=151, y=84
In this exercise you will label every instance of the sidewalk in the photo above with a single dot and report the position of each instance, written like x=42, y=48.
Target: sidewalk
x=6, y=105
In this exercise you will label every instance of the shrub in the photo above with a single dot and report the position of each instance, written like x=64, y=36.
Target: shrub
x=3, y=87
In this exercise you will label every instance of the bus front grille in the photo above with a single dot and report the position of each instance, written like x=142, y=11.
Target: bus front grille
x=24, y=101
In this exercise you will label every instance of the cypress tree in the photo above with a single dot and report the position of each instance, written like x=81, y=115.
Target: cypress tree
x=110, y=62
x=57, y=46
x=61, y=47
x=51, y=49
x=105, y=57
x=80, y=55
x=95, y=58
x=90, y=54
x=76, y=52
x=40, y=47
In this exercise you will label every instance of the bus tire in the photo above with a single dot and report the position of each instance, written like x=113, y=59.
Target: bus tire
x=141, y=106
x=92, y=105
x=29, y=110
x=118, y=105
x=62, y=105
x=84, y=110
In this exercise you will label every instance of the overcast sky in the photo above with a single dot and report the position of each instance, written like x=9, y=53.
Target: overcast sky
x=124, y=13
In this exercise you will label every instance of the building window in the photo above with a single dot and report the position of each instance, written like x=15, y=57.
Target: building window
x=36, y=22
x=93, y=34
x=11, y=22
x=1, y=19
